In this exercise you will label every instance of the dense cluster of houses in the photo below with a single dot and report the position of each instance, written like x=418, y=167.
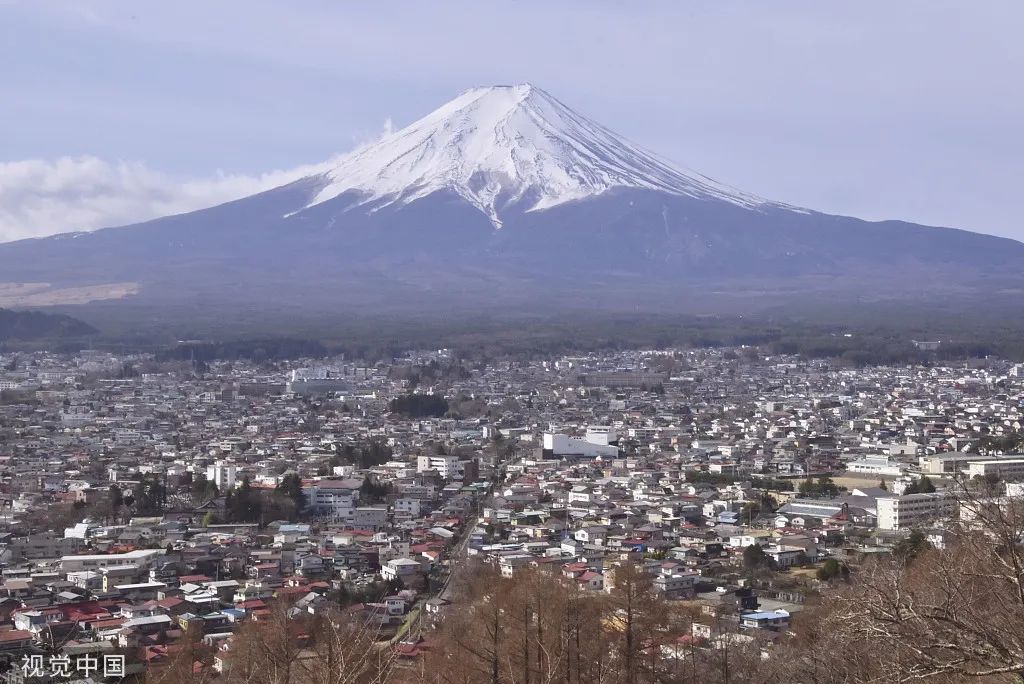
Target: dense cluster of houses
x=677, y=462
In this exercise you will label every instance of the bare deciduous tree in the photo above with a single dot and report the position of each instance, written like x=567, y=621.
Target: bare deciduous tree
x=344, y=651
x=952, y=614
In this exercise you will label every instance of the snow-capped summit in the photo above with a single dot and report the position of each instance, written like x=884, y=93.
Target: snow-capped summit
x=502, y=145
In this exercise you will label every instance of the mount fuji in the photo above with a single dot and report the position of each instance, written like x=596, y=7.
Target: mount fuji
x=502, y=198
x=508, y=147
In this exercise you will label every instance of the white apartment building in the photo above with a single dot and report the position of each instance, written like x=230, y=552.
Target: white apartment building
x=408, y=506
x=948, y=464
x=336, y=498
x=400, y=569
x=913, y=510
x=74, y=416
x=222, y=474
x=1003, y=467
x=512, y=562
x=448, y=467
x=676, y=585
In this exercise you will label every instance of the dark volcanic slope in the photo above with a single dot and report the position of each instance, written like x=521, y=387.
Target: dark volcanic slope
x=440, y=251
x=36, y=325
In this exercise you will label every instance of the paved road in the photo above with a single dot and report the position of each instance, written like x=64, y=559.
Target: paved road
x=457, y=555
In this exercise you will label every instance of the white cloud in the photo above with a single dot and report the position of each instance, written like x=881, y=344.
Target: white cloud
x=42, y=197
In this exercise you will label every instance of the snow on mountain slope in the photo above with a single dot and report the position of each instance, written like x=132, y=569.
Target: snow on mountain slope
x=503, y=144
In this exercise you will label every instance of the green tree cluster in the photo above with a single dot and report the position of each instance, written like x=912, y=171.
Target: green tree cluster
x=373, y=491
x=832, y=569
x=911, y=547
x=922, y=486
x=202, y=489
x=754, y=558
x=823, y=486
x=250, y=505
x=419, y=406
x=373, y=453
x=149, y=496
x=291, y=486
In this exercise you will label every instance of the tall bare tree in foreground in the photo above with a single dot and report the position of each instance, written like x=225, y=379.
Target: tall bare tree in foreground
x=336, y=648
x=267, y=651
x=344, y=652
x=179, y=667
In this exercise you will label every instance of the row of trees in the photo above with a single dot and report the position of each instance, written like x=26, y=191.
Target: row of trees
x=257, y=351
x=247, y=504
x=332, y=648
x=534, y=629
x=430, y=373
x=419, y=405
x=147, y=497
x=923, y=485
x=822, y=486
x=374, y=491
x=373, y=453
x=202, y=489
x=1009, y=443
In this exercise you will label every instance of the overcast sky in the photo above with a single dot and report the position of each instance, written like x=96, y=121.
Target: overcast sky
x=114, y=112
